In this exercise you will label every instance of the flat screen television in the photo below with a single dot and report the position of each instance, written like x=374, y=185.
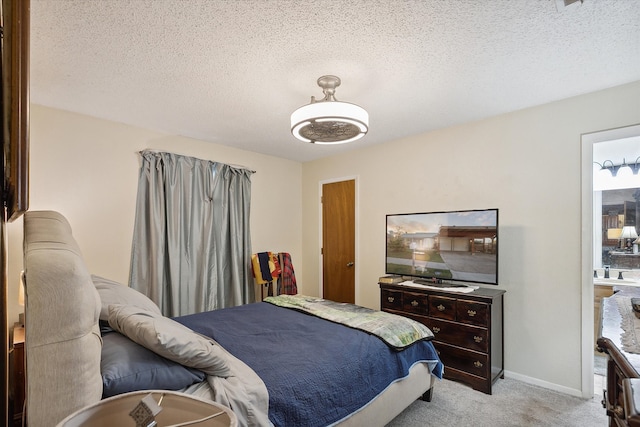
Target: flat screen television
x=454, y=246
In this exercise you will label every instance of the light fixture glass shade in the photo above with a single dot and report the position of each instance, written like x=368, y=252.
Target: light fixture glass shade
x=605, y=173
x=624, y=172
x=329, y=121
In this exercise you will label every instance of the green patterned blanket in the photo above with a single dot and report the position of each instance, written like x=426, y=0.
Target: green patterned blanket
x=396, y=331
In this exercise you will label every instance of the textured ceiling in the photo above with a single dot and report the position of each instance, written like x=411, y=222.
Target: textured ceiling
x=231, y=72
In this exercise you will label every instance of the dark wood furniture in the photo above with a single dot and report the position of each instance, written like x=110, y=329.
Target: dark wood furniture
x=468, y=328
x=18, y=380
x=626, y=260
x=631, y=391
x=620, y=396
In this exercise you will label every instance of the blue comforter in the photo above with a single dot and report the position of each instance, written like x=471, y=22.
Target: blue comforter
x=316, y=372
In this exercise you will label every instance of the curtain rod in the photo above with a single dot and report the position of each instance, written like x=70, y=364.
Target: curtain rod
x=154, y=150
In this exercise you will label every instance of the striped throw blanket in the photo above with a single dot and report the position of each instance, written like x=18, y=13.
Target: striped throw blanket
x=396, y=331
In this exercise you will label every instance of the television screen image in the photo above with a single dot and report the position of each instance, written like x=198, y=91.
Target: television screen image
x=459, y=246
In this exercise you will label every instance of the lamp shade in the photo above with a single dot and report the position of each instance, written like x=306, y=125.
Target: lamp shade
x=628, y=232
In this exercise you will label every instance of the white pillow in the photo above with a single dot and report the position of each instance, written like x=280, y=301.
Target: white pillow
x=169, y=339
x=115, y=293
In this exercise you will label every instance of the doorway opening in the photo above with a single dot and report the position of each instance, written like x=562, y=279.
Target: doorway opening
x=608, y=205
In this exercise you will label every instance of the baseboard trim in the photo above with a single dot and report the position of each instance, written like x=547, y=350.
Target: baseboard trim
x=545, y=384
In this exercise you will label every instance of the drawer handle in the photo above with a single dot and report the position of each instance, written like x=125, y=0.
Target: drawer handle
x=471, y=313
x=440, y=307
x=477, y=339
x=390, y=299
x=477, y=364
x=414, y=303
x=435, y=329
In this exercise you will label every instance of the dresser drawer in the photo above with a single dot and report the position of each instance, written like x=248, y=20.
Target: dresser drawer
x=470, y=337
x=391, y=300
x=442, y=307
x=414, y=303
x=472, y=362
x=472, y=312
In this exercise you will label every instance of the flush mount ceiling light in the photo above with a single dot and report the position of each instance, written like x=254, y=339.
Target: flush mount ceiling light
x=329, y=121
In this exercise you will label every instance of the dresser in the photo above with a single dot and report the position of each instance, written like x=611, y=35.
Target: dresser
x=468, y=328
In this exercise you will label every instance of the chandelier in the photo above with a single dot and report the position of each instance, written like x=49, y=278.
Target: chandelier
x=329, y=121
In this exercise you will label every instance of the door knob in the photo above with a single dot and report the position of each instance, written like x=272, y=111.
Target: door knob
x=350, y=264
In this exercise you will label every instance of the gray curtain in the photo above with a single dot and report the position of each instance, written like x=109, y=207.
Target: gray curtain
x=191, y=247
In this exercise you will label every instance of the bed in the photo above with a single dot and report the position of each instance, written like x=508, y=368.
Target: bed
x=80, y=329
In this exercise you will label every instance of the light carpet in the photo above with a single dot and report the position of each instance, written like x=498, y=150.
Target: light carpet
x=513, y=403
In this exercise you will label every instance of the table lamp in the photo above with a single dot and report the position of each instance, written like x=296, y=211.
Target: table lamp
x=628, y=233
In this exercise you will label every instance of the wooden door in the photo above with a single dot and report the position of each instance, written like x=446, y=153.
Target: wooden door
x=338, y=241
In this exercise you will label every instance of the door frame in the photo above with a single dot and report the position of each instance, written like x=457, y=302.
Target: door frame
x=588, y=345
x=356, y=202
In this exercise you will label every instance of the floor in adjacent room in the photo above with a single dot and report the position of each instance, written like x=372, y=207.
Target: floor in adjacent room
x=599, y=384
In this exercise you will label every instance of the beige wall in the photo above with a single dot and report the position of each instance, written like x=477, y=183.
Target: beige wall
x=527, y=164
x=87, y=169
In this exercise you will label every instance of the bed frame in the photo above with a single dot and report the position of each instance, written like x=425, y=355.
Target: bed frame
x=62, y=338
